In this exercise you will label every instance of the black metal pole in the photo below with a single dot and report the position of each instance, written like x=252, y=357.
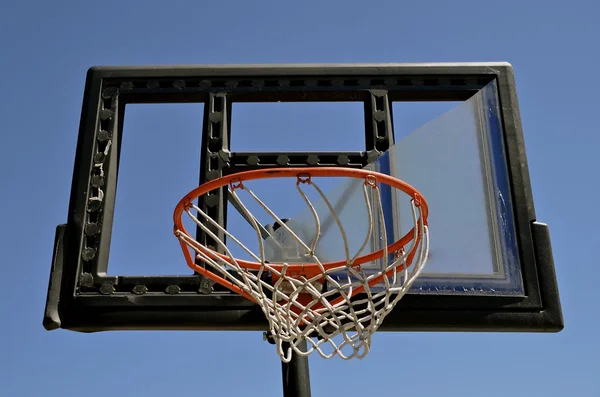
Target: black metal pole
x=295, y=375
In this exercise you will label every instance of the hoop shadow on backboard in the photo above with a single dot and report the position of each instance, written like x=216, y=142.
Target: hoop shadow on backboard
x=491, y=266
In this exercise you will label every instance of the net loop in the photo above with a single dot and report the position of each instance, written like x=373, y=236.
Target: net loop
x=236, y=184
x=303, y=179
x=371, y=180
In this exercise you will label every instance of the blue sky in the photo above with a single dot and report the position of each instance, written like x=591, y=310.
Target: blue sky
x=47, y=48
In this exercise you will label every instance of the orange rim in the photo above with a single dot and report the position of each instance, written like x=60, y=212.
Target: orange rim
x=302, y=175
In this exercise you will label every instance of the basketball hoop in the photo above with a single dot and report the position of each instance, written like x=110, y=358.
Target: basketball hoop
x=299, y=295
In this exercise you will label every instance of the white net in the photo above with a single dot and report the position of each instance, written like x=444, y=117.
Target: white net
x=304, y=298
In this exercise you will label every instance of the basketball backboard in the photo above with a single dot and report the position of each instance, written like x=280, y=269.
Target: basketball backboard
x=490, y=266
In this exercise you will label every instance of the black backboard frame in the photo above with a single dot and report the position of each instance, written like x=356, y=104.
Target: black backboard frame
x=81, y=297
